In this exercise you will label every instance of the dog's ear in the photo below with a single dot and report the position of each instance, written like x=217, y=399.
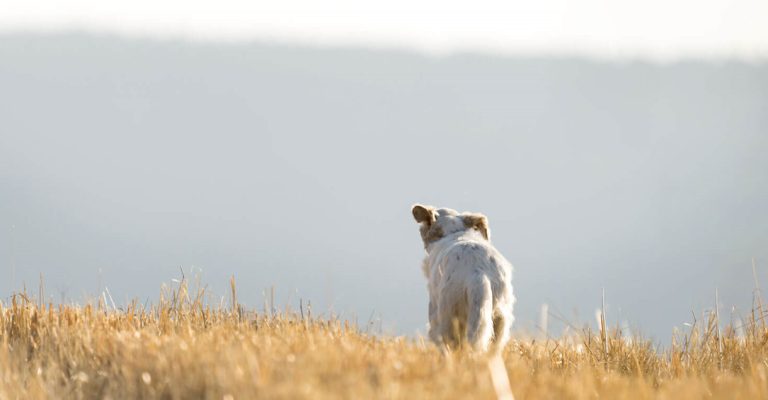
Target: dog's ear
x=479, y=222
x=424, y=214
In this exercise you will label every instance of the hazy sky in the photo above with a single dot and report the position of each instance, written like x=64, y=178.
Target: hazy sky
x=653, y=29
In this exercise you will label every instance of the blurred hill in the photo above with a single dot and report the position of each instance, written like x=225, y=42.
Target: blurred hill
x=123, y=160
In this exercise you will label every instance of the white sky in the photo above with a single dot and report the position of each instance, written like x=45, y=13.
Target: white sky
x=654, y=29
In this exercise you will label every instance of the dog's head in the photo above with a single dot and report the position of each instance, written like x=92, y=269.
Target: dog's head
x=436, y=223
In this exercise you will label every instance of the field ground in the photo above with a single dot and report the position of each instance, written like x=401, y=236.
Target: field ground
x=183, y=348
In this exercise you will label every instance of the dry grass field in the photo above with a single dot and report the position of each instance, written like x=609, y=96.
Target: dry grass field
x=184, y=348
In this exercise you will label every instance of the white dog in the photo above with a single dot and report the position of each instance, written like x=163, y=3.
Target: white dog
x=470, y=282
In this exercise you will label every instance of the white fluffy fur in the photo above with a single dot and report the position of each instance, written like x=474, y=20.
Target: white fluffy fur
x=469, y=281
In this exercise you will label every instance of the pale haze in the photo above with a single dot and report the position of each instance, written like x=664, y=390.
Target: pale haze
x=286, y=149
x=654, y=29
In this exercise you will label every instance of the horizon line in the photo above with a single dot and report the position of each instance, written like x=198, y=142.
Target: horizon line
x=627, y=56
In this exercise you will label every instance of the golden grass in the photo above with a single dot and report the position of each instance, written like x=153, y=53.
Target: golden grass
x=183, y=348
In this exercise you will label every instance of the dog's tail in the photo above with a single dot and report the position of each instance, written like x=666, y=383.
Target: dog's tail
x=480, y=319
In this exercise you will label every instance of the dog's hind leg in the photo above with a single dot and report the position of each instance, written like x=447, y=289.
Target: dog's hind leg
x=434, y=325
x=502, y=322
x=480, y=318
x=448, y=323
